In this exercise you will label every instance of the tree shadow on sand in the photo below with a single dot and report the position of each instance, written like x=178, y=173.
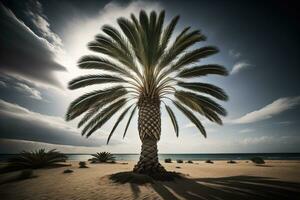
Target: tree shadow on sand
x=236, y=187
x=224, y=188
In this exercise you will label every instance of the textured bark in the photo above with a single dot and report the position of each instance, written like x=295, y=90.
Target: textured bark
x=149, y=126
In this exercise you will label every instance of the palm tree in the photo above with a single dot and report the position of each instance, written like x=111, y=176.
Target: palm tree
x=144, y=69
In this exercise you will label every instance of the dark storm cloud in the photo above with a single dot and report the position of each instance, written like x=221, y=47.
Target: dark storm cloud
x=20, y=123
x=10, y=85
x=24, y=53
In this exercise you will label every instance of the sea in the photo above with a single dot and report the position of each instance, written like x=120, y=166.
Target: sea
x=194, y=157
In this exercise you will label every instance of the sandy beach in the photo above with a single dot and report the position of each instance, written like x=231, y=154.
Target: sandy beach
x=243, y=180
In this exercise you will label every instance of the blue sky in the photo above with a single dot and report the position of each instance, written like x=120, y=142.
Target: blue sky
x=258, y=41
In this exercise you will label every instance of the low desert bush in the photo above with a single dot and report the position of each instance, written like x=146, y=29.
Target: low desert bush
x=103, y=157
x=258, y=160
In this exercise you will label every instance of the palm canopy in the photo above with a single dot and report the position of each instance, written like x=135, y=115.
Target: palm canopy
x=139, y=61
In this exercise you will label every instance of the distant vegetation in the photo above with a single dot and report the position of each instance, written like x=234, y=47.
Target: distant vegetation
x=231, y=162
x=102, y=157
x=67, y=171
x=25, y=174
x=82, y=164
x=179, y=161
x=35, y=159
x=168, y=160
x=258, y=160
x=209, y=161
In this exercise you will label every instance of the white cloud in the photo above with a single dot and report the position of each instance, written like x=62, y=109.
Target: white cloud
x=3, y=84
x=25, y=53
x=285, y=122
x=275, y=108
x=257, y=140
x=31, y=92
x=235, y=54
x=17, y=122
x=44, y=28
x=204, y=122
x=16, y=146
x=239, y=66
x=270, y=140
x=246, y=130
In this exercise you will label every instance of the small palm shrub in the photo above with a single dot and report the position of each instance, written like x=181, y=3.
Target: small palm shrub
x=67, y=171
x=209, y=161
x=179, y=161
x=231, y=162
x=168, y=160
x=82, y=164
x=258, y=160
x=103, y=157
x=35, y=159
x=25, y=174
x=190, y=162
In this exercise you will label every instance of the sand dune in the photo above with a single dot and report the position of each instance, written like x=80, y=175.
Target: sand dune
x=275, y=180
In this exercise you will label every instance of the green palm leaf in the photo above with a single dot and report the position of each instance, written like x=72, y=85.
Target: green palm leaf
x=122, y=115
x=203, y=71
x=191, y=117
x=205, y=88
x=167, y=33
x=84, y=102
x=103, y=116
x=117, y=37
x=212, y=116
x=107, y=46
x=194, y=56
x=95, y=62
x=129, y=120
x=182, y=42
x=201, y=101
x=173, y=119
x=107, y=99
x=87, y=80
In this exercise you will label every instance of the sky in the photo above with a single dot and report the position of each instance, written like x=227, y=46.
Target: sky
x=41, y=42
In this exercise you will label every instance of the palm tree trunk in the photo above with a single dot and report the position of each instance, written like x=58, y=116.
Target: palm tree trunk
x=149, y=125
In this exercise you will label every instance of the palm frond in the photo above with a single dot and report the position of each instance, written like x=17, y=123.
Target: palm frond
x=167, y=33
x=201, y=101
x=107, y=46
x=103, y=116
x=84, y=102
x=108, y=98
x=173, y=119
x=129, y=120
x=194, y=104
x=133, y=37
x=212, y=116
x=205, y=88
x=117, y=37
x=182, y=42
x=158, y=34
x=96, y=62
x=122, y=115
x=194, y=56
x=87, y=80
x=191, y=117
x=203, y=71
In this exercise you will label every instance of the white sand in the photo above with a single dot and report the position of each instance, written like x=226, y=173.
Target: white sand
x=274, y=180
